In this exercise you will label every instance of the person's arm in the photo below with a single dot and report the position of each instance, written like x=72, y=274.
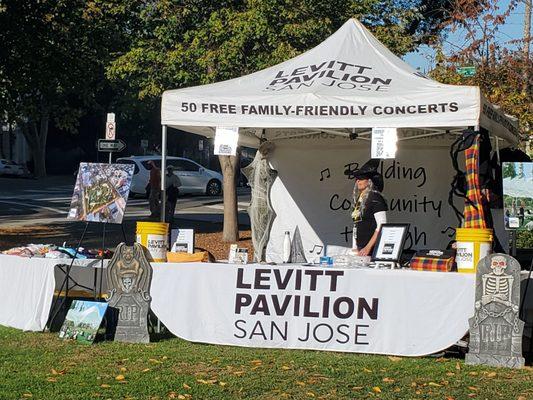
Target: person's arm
x=381, y=218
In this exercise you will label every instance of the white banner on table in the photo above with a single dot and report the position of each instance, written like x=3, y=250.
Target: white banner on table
x=405, y=313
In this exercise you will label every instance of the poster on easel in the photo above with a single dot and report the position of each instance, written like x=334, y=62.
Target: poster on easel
x=518, y=195
x=101, y=192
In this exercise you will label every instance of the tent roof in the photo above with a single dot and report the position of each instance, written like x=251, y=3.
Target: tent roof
x=348, y=81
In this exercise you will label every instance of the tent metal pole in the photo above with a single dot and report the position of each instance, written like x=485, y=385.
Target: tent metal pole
x=163, y=170
x=497, y=145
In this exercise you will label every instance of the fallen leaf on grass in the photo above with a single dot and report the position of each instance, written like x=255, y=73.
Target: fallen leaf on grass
x=367, y=370
x=394, y=359
x=146, y=370
x=181, y=397
x=472, y=395
x=238, y=373
x=120, y=377
x=521, y=398
x=473, y=373
x=164, y=358
x=457, y=366
x=357, y=388
x=153, y=360
x=105, y=385
x=299, y=383
x=27, y=395
x=222, y=384
x=186, y=387
x=310, y=394
x=491, y=374
x=475, y=389
x=207, y=381
x=123, y=369
x=388, y=380
x=172, y=395
x=434, y=384
x=50, y=379
x=450, y=398
x=450, y=374
x=376, y=389
x=285, y=367
x=257, y=362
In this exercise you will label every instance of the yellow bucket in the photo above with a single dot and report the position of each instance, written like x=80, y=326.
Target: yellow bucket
x=154, y=236
x=472, y=245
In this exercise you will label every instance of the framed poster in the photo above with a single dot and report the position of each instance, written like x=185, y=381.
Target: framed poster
x=182, y=240
x=518, y=195
x=101, y=192
x=390, y=242
x=83, y=320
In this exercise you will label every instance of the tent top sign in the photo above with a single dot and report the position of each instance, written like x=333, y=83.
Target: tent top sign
x=350, y=80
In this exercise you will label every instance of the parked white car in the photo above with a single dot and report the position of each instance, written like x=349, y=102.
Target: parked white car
x=195, y=179
x=8, y=167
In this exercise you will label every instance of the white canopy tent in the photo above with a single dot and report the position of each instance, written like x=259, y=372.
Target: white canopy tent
x=350, y=80
x=312, y=104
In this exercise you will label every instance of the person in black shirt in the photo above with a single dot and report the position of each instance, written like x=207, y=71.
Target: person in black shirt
x=370, y=208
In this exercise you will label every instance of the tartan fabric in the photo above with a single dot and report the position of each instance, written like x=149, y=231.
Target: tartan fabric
x=473, y=213
x=431, y=264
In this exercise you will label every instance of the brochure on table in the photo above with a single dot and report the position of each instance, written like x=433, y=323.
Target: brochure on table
x=182, y=240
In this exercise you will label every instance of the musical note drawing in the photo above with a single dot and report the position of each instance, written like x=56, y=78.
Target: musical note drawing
x=322, y=174
x=449, y=228
x=320, y=248
x=350, y=169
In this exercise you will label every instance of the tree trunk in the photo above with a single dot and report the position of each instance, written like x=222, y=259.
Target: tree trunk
x=36, y=138
x=229, y=165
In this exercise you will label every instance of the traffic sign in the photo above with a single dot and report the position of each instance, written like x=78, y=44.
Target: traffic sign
x=466, y=71
x=110, y=130
x=112, y=146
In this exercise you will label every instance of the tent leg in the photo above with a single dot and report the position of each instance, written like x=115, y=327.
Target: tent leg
x=163, y=170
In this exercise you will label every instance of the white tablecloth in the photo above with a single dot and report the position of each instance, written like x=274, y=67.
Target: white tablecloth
x=411, y=313
x=416, y=312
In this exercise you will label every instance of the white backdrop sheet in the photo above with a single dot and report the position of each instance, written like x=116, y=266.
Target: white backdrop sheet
x=408, y=313
x=313, y=193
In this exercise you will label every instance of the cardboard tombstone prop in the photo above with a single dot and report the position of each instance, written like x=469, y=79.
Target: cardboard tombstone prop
x=129, y=275
x=495, y=328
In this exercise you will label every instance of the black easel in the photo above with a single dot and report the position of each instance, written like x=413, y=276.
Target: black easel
x=60, y=301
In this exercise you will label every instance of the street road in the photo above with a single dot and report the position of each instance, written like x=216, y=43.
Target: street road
x=26, y=202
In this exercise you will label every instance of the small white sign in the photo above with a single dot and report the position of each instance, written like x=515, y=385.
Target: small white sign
x=110, y=117
x=110, y=130
x=182, y=240
x=465, y=255
x=384, y=143
x=226, y=141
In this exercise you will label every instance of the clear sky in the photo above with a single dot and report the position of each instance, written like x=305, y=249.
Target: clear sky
x=424, y=58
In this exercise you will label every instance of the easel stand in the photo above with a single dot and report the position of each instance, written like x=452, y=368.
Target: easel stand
x=61, y=301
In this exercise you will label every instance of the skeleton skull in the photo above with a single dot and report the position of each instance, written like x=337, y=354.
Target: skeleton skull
x=498, y=264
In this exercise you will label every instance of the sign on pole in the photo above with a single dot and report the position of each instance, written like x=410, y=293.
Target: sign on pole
x=226, y=141
x=383, y=143
x=112, y=146
x=110, y=127
x=466, y=71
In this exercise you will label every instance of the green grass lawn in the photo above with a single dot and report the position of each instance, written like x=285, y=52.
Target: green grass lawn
x=41, y=366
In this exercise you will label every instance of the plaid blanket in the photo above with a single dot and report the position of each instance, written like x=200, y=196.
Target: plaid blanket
x=473, y=213
x=431, y=264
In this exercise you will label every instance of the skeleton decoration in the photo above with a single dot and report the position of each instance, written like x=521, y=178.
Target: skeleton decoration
x=495, y=329
x=129, y=275
x=260, y=178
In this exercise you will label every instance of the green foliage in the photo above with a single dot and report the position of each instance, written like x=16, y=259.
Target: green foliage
x=524, y=239
x=192, y=42
x=53, y=57
x=509, y=170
